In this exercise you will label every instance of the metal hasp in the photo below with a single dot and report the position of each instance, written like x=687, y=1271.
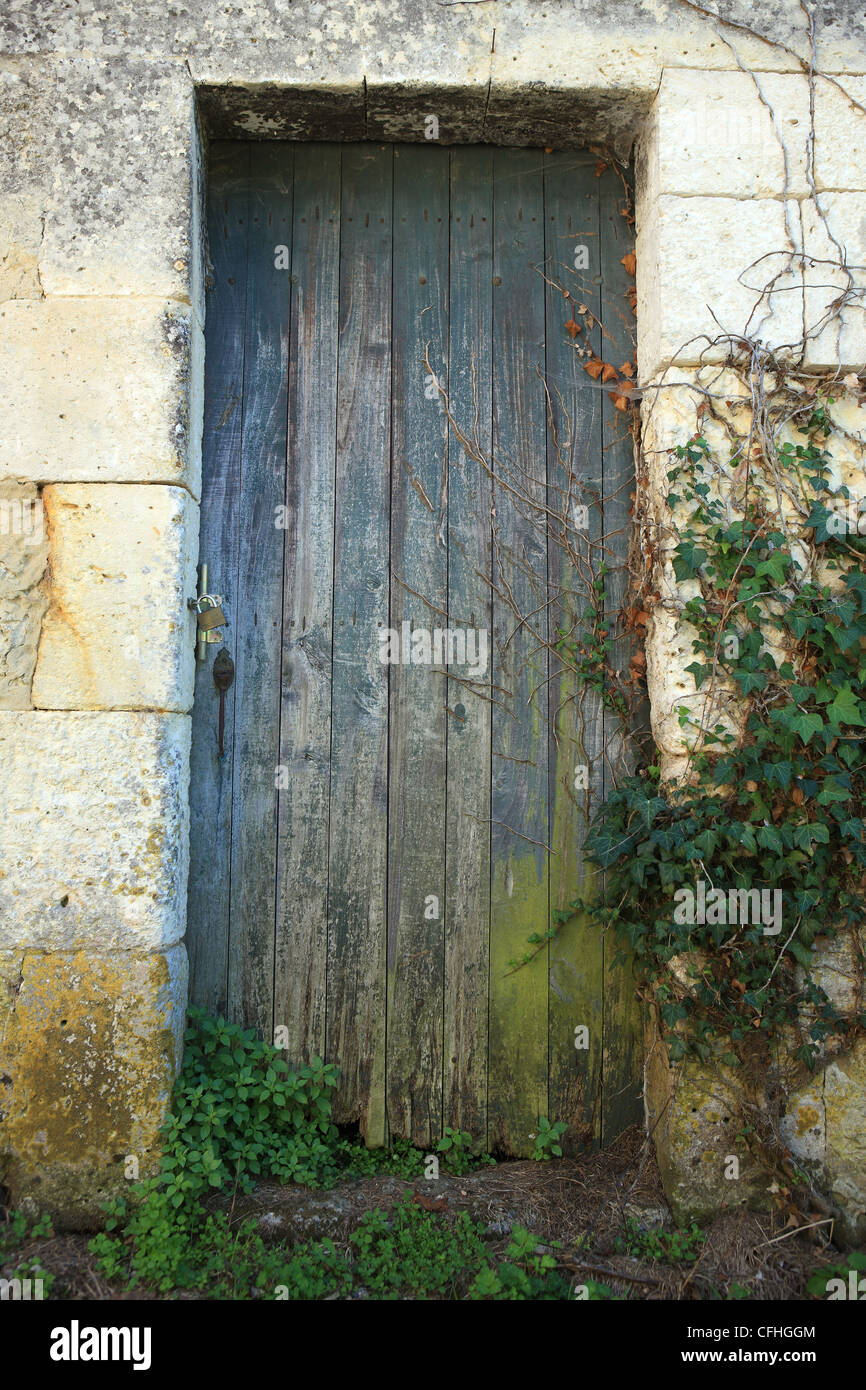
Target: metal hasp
x=223, y=675
x=210, y=618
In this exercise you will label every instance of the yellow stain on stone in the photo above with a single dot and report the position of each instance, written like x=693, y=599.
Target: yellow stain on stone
x=90, y=1045
x=808, y=1116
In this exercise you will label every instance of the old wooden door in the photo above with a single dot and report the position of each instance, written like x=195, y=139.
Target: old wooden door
x=396, y=390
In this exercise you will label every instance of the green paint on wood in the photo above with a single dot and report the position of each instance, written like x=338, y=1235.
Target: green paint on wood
x=519, y=796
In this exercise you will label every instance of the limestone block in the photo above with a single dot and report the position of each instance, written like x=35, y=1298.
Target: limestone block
x=24, y=182
x=322, y=37
x=703, y=265
x=723, y=134
x=671, y=413
x=840, y=134
x=671, y=687
x=695, y=1112
x=847, y=449
x=711, y=134
x=91, y=1046
x=94, y=834
x=23, y=557
x=108, y=150
x=626, y=44
x=99, y=390
x=118, y=633
x=842, y=343
x=838, y=969
x=120, y=216
x=825, y=1128
x=671, y=416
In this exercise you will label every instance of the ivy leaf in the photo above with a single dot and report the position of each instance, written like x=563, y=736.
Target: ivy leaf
x=801, y=954
x=780, y=773
x=806, y=725
x=833, y=791
x=846, y=708
x=773, y=567
x=827, y=525
x=748, y=680
x=815, y=831
x=688, y=559
x=769, y=838
x=699, y=672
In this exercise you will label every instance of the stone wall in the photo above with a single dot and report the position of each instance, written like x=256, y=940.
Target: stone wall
x=105, y=113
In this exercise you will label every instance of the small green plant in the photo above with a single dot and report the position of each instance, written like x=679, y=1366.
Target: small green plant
x=668, y=1247
x=547, y=1139
x=851, y=1273
x=412, y=1252
x=240, y=1112
x=456, y=1148
x=601, y=1293
x=13, y=1232
x=16, y=1231
x=528, y=1272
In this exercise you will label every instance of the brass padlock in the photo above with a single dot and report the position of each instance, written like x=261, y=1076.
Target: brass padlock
x=210, y=613
x=209, y=616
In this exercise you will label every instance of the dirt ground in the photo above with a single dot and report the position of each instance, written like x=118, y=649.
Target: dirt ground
x=583, y=1203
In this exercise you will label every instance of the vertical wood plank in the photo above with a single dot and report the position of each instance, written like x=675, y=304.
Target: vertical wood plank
x=419, y=595
x=208, y=912
x=577, y=729
x=305, y=714
x=519, y=797
x=359, y=764
x=260, y=594
x=467, y=916
x=623, y=1033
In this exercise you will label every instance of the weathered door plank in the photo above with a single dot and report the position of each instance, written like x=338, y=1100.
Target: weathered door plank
x=359, y=752
x=576, y=731
x=208, y=913
x=419, y=596
x=519, y=796
x=467, y=909
x=260, y=594
x=300, y=981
